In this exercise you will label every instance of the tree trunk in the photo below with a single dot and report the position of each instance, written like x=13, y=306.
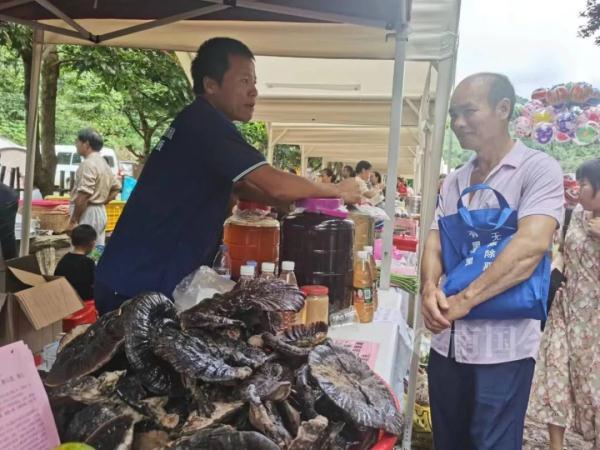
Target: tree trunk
x=46, y=160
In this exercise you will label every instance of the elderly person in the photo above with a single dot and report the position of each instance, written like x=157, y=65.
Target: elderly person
x=326, y=176
x=480, y=371
x=95, y=185
x=566, y=388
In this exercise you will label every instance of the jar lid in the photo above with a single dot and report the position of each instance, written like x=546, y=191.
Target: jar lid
x=267, y=267
x=315, y=289
x=247, y=271
x=333, y=207
x=288, y=265
x=246, y=205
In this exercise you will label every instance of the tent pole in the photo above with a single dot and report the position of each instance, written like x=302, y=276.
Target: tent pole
x=445, y=81
x=303, y=160
x=393, y=150
x=36, y=63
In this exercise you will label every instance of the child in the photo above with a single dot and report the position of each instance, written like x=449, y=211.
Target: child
x=75, y=266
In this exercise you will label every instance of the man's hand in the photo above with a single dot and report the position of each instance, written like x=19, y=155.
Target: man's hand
x=72, y=224
x=457, y=307
x=434, y=305
x=594, y=225
x=349, y=191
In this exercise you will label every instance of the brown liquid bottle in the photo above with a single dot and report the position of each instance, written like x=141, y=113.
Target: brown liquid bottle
x=362, y=293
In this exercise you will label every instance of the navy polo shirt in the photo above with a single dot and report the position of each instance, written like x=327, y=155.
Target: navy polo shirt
x=173, y=220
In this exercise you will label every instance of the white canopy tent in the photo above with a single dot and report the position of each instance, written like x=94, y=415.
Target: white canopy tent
x=421, y=30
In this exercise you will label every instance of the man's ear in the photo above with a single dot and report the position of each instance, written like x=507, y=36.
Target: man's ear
x=210, y=85
x=503, y=109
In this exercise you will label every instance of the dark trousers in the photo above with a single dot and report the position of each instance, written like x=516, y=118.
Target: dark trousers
x=478, y=406
x=106, y=298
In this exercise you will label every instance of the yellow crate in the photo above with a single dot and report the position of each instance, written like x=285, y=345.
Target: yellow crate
x=113, y=212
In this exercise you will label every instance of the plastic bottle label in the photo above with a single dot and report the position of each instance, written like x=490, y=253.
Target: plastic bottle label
x=363, y=295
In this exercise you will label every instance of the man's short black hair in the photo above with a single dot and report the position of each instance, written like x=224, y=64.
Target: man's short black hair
x=92, y=137
x=590, y=170
x=83, y=235
x=363, y=165
x=212, y=60
x=500, y=88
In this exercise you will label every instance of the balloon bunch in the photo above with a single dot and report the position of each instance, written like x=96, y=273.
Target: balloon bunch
x=564, y=113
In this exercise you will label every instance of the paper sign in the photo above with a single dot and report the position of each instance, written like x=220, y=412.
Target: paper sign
x=26, y=420
x=367, y=351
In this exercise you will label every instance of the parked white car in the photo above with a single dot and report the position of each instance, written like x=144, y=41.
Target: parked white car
x=69, y=160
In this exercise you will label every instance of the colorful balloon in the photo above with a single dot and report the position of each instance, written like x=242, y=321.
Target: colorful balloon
x=580, y=92
x=561, y=137
x=531, y=107
x=558, y=95
x=540, y=94
x=523, y=126
x=543, y=115
x=586, y=135
x=543, y=132
x=566, y=122
x=592, y=114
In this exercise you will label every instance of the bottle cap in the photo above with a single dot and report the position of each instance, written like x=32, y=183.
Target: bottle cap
x=361, y=254
x=368, y=249
x=288, y=265
x=247, y=271
x=315, y=289
x=267, y=267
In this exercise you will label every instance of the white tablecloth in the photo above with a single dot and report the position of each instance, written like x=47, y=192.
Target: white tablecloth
x=390, y=331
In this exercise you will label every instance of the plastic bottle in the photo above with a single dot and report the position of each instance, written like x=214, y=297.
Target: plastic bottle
x=267, y=271
x=362, y=293
x=373, y=269
x=246, y=274
x=254, y=265
x=222, y=262
x=287, y=275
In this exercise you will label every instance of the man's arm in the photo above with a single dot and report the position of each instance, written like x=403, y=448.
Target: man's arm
x=246, y=190
x=286, y=187
x=432, y=297
x=513, y=265
x=80, y=203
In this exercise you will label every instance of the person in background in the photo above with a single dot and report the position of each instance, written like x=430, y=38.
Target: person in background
x=326, y=176
x=377, y=181
x=347, y=172
x=75, y=266
x=9, y=205
x=566, y=386
x=95, y=185
x=172, y=224
x=363, y=175
x=401, y=187
x=480, y=371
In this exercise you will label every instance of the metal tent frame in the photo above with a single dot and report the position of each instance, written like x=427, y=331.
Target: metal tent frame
x=390, y=16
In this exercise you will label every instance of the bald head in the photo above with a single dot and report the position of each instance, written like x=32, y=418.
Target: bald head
x=481, y=108
x=497, y=86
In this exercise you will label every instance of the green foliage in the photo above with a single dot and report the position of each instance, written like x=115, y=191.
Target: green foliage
x=592, y=26
x=12, y=105
x=255, y=134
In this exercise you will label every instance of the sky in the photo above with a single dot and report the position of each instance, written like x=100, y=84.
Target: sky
x=533, y=42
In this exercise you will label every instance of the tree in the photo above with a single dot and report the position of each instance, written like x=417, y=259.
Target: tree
x=151, y=84
x=592, y=15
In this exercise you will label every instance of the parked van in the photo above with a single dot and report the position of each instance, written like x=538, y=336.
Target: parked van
x=69, y=160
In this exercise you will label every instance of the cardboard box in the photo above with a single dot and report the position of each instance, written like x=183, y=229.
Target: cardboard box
x=32, y=305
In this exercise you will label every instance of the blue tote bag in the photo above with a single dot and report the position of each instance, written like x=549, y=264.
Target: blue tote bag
x=471, y=240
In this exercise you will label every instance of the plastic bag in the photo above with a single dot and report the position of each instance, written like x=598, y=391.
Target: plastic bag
x=198, y=285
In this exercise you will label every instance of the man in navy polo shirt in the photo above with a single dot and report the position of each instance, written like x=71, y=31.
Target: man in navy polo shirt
x=173, y=221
